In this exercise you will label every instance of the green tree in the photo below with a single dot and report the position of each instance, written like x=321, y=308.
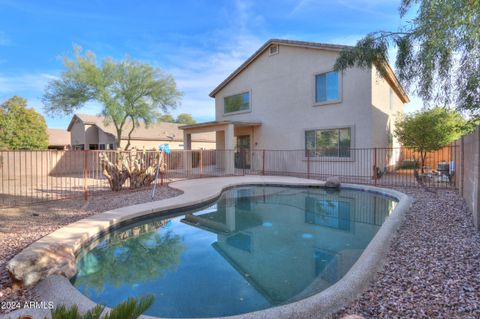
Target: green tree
x=131, y=92
x=166, y=118
x=429, y=130
x=438, y=53
x=130, y=259
x=21, y=128
x=185, y=118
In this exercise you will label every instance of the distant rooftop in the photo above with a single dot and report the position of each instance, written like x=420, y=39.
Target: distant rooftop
x=58, y=137
x=157, y=131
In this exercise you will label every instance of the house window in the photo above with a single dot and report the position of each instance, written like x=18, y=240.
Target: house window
x=326, y=87
x=237, y=103
x=273, y=49
x=102, y=146
x=328, y=143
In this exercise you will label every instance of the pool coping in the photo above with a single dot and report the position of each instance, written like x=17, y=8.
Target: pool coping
x=196, y=192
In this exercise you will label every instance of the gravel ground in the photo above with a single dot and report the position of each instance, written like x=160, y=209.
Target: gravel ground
x=433, y=267
x=21, y=226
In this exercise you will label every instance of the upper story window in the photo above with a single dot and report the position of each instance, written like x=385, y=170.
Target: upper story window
x=328, y=143
x=236, y=103
x=326, y=87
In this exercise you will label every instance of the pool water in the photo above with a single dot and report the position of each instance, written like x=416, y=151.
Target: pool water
x=254, y=248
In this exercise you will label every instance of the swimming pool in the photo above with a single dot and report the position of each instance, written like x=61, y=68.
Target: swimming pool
x=253, y=248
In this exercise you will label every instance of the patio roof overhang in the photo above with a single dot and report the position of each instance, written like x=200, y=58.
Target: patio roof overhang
x=214, y=125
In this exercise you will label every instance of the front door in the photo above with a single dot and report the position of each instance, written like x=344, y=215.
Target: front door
x=242, y=152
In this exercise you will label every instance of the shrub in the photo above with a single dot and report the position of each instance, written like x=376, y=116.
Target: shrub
x=130, y=309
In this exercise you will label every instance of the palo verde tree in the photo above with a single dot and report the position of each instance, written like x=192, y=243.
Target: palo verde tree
x=131, y=92
x=21, y=128
x=429, y=130
x=438, y=54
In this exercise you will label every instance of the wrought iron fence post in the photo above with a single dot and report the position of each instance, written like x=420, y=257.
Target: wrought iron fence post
x=263, y=162
x=462, y=164
x=85, y=172
x=243, y=155
x=375, y=166
x=308, y=165
x=201, y=163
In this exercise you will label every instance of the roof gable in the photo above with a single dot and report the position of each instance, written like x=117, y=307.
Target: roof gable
x=391, y=78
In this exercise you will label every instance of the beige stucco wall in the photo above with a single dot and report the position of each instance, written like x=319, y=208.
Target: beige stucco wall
x=468, y=172
x=91, y=134
x=77, y=133
x=282, y=90
x=104, y=138
x=383, y=115
x=386, y=108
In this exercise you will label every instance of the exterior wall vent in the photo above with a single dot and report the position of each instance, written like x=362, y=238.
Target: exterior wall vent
x=273, y=49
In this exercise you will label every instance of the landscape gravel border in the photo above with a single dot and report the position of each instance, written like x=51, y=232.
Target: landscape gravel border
x=59, y=290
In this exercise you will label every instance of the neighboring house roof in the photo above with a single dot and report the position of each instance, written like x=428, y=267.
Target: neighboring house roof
x=391, y=78
x=161, y=131
x=58, y=137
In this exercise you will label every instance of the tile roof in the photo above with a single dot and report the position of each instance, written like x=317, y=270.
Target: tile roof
x=158, y=131
x=58, y=137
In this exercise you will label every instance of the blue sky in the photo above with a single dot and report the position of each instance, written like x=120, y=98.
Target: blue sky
x=199, y=42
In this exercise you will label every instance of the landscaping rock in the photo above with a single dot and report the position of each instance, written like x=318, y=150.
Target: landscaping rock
x=32, y=265
x=433, y=265
x=333, y=182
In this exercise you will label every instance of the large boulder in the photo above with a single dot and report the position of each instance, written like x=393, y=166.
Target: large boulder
x=333, y=182
x=39, y=261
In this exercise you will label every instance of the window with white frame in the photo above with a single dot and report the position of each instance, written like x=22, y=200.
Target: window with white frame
x=328, y=142
x=236, y=103
x=327, y=87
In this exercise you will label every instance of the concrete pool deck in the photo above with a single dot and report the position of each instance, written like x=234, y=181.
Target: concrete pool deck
x=54, y=254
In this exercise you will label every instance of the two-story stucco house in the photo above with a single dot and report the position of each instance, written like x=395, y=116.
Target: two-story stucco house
x=286, y=96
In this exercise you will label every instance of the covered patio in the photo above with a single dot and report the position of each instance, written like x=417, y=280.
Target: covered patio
x=234, y=141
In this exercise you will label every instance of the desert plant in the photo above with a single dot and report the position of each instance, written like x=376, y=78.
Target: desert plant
x=136, y=165
x=129, y=309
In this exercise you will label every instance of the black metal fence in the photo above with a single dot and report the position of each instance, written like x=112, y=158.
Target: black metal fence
x=34, y=176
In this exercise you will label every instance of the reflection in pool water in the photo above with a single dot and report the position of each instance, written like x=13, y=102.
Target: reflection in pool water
x=254, y=248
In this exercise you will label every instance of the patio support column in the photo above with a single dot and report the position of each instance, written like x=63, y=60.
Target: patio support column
x=187, y=154
x=229, y=149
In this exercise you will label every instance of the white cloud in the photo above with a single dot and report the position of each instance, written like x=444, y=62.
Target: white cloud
x=19, y=84
x=365, y=6
x=300, y=6
x=199, y=71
